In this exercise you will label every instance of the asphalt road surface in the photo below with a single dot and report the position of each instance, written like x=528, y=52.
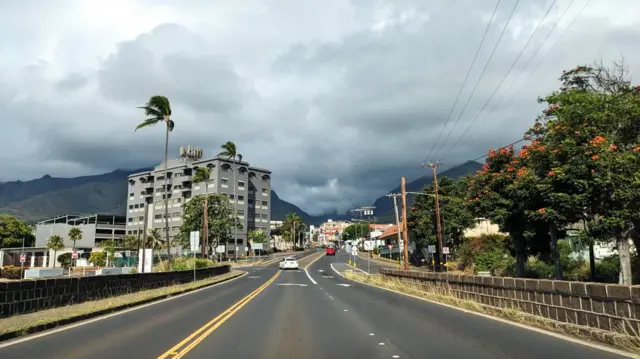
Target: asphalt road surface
x=297, y=314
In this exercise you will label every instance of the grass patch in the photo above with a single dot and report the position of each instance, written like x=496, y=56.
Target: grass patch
x=19, y=325
x=620, y=338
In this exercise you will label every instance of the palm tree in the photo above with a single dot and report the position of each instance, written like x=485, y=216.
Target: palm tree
x=229, y=150
x=154, y=241
x=158, y=110
x=56, y=243
x=292, y=224
x=203, y=175
x=75, y=234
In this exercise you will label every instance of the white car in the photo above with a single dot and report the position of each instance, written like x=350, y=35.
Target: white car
x=289, y=263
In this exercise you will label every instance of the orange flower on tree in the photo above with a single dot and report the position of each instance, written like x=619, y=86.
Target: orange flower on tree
x=594, y=157
x=637, y=149
x=613, y=147
x=597, y=141
x=551, y=173
x=542, y=211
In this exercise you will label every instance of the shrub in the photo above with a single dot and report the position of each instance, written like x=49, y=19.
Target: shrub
x=65, y=260
x=11, y=272
x=98, y=258
x=536, y=268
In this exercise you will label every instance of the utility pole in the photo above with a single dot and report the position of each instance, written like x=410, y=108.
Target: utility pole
x=434, y=166
x=395, y=209
x=403, y=188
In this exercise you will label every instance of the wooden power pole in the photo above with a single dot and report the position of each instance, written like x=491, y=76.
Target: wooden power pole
x=404, y=222
x=434, y=166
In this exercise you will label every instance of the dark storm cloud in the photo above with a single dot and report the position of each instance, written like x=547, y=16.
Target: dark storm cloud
x=338, y=99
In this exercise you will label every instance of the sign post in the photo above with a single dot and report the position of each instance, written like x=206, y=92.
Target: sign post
x=194, y=243
x=431, y=249
x=445, y=251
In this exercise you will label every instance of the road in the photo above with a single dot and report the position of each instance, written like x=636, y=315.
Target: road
x=297, y=314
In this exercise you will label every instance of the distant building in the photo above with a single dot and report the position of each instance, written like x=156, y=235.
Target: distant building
x=482, y=226
x=95, y=229
x=145, y=201
x=331, y=231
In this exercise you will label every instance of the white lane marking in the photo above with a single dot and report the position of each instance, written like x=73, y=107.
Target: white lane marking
x=371, y=334
x=321, y=270
x=294, y=284
x=335, y=270
x=344, y=285
x=327, y=276
x=253, y=277
x=346, y=310
x=396, y=356
x=309, y=275
x=71, y=326
x=381, y=343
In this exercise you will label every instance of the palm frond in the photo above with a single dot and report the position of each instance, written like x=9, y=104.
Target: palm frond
x=151, y=111
x=161, y=104
x=228, y=150
x=201, y=175
x=148, y=122
x=239, y=157
x=170, y=125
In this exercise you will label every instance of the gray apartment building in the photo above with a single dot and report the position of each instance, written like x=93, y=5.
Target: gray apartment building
x=145, y=200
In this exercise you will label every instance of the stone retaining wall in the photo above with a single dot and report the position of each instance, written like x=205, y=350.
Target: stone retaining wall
x=603, y=306
x=32, y=295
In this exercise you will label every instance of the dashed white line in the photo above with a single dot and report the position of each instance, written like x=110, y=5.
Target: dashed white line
x=344, y=285
x=381, y=343
x=396, y=356
x=346, y=310
x=371, y=334
x=292, y=284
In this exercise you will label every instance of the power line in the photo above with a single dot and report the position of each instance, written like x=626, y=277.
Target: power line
x=504, y=78
x=475, y=57
x=527, y=65
x=480, y=77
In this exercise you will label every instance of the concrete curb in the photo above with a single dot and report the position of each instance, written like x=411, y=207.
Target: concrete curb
x=42, y=327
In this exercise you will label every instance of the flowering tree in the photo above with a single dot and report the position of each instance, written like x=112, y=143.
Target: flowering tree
x=493, y=194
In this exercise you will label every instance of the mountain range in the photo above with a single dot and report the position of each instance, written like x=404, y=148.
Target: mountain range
x=47, y=197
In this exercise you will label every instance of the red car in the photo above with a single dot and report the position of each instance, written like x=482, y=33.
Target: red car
x=330, y=251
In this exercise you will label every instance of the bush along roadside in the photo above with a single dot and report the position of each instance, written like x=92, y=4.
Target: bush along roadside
x=20, y=325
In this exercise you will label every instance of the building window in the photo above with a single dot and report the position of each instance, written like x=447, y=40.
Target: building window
x=241, y=184
x=140, y=218
x=240, y=240
x=224, y=181
x=265, y=203
x=265, y=192
x=241, y=212
x=231, y=197
x=130, y=206
x=158, y=216
x=240, y=198
x=131, y=195
x=212, y=182
x=130, y=220
x=160, y=177
x=250, y=201
x=175, y=214
x=264, y=216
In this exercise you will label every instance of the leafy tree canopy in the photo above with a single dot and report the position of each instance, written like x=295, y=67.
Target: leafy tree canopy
x=12, y=231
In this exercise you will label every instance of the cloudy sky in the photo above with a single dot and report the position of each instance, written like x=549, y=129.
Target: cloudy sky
x=338, y=98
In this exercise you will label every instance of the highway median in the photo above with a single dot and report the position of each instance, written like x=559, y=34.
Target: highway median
x=25, y=324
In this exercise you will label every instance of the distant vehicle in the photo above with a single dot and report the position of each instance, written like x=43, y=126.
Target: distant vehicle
x=331, y=251
x=289, y=263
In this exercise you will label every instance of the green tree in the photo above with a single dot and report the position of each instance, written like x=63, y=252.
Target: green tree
x=158, y=110
x=355, y=231
x=109, y=247
x=492, y=196
x=55, y=243
x=13, y=231
x=130, y=242
x=154, y=241
x=291, y=228
x=257, y=236
x=75, y=234
x=454, y=214
x=98, y=258
x=220, y=219
x=230, y=151
x=203, y=175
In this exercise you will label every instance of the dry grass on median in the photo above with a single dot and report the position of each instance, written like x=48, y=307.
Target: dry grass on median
x=25, y=322
x=620, y=339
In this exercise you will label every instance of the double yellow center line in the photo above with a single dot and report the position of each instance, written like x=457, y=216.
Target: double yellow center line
x=182, y=348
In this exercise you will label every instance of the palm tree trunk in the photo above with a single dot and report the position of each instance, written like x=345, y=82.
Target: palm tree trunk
x=166, y=193
x=205, y=223
x=54, y=258
x=235, y=210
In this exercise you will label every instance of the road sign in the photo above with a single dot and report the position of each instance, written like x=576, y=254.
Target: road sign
x=74, y=255
x=431, y=248
x=23, y=258
x=445, y=250
x=194, y=241
x=257, y=246
x=354, y=250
